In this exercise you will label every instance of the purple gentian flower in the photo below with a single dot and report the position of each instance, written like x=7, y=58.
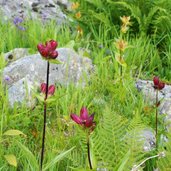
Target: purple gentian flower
x=17, y=22
x=84, y=119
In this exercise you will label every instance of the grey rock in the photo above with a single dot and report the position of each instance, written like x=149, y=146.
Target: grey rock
x=33, y=9
x=149, y=93
x=15, y=54
x=63, y=3
x=145, y=138
x=20, y=92
x=102, y=169
x=146, y=87
x=149, y=139
x=165, y=108
x=32, y=69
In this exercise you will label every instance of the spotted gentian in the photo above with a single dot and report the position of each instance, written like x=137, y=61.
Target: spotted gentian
x=84, y=119
x=159, y=85
x=48, y=51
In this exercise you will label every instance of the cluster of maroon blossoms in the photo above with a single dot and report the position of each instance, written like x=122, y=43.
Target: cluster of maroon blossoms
x=159, y=85
x=84, y=119
x=48, y=51
x=51, y=89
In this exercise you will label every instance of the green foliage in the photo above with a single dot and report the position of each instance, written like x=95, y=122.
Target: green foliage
x=114, y=143
x=146, y=15
x=119, y=108
x=164, y=163
x=143, y=17
x=35, y=33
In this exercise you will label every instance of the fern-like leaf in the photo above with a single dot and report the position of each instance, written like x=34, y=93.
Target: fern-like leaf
x=114, y=146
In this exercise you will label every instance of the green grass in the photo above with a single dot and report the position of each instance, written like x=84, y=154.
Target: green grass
x=114, y=100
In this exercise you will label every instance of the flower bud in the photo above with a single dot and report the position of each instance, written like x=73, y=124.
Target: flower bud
x=53, y=44
x=53, y=54
x=161, y=85
x=51, y=90
x=44, y=52
x=156, y=80
x=40, y=46
x=43, y=88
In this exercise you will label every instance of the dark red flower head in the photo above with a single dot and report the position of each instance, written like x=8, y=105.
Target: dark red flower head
x=48, y=51
x=159, y=85
x=51, y=89
x=84, y=119
x=52, y=44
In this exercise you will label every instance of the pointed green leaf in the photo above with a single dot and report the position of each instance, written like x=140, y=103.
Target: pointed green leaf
x=14, y=132
x=101, y=17
x=51, y=99
x=70, y=44
x=29, y=155
x=39, y=97
x=86, y=53
x=82, y=169
x=55, y=61
x=57, y=158
x=120, y=60
x=121, y=165
x=11, y=159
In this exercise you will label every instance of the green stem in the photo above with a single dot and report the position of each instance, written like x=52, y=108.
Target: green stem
x=120, y=64
x=121, y=70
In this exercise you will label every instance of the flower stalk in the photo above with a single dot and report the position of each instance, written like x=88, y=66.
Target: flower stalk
x=158, y=85
x=45, y=112
x=157, y=118
x=88, y=152
x=120, y=45
x=120, y=65
x=49, y=53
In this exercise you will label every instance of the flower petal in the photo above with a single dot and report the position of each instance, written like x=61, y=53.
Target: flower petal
x=76, y=118
x=51, y=45
x=54, y=44
x=51, y=90
x=17, y=20
x=91, y=117
x=156, y=81
x=161, y=85
x=84, y=113
x=40, y=46
x=43, y=88
x=53, y=54
x=89, y=122
x=43, y=50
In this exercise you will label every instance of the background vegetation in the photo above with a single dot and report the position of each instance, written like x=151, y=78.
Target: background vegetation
x=119, y=108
